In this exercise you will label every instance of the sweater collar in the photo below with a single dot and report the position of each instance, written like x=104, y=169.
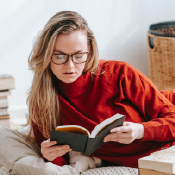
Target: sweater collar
x=75, y=87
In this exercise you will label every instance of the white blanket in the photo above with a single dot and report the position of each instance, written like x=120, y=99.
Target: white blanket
x=21, y=157
x=24, y=158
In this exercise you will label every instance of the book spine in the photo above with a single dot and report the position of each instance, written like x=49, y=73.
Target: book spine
x=151, y=172
x=4, y=111
x=4, y=117
x=3, y=97
x=3, y=103
x=6, y=82
x=4, y=93
x=89, y=146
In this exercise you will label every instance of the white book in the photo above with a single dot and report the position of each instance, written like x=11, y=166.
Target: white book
x=3, y=103
x=161, y=161
x=5, y=93
x=7, y=82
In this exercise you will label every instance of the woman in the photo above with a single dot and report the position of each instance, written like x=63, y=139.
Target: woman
x=72, y=86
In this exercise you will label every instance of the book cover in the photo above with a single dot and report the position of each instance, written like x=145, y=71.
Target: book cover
x=4, y=117
x=6, y=82
x=5, y=93
x=143, y=171
x=160, y=161
x=4, y=111
x=84, y=141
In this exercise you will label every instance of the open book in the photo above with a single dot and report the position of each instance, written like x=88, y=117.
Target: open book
x=81, y=140
x=159, y=161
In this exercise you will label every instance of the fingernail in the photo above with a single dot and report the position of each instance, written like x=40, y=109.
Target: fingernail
x=67, y=147
x=114, y=130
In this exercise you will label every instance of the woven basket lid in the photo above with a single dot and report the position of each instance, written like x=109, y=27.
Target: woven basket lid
x=162, y=25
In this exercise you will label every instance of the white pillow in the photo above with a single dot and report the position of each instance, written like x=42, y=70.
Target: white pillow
x=20, y=157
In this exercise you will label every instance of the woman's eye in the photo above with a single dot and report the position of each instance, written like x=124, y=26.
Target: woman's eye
x=79, y=55
x=59, y=57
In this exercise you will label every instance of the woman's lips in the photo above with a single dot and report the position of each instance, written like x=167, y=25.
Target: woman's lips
x=69, y=73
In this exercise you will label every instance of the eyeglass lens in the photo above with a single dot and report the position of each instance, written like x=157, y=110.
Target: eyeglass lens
x=77, y=58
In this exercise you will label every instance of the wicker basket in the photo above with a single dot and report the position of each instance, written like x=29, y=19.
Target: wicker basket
x=162, y=61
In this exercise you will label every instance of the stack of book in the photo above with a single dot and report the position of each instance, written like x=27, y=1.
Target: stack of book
x=6, y=83
x=158, y=163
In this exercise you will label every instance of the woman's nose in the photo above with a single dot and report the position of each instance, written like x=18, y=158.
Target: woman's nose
x=69, y=63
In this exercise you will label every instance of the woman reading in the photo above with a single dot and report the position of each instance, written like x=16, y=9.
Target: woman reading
x=72, y=86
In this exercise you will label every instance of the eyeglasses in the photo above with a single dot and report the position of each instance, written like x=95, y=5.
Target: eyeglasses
x=77, y=58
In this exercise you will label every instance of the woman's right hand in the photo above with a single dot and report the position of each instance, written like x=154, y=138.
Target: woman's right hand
x=51, y=152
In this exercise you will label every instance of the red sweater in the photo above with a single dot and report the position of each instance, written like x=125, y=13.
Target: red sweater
x=120, y=88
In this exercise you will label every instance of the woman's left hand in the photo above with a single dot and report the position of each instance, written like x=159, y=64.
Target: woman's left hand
x=126, y=134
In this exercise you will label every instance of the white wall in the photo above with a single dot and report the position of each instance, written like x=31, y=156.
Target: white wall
x=120, y=27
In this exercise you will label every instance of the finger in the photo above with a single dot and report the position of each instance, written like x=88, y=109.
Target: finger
x=117, y=136
x=58, y=148
x=48, y=143
x=61, y=148
x=126, y=128
x=54, y=156
x=56, y=153
x=121, y=138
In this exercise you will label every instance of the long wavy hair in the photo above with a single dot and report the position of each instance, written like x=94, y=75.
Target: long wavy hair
x=43, y=101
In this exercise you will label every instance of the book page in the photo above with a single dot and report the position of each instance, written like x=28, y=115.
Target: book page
x=73, y=129
x=164, y=155
x=104, y=124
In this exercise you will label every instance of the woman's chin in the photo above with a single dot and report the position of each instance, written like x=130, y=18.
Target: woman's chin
x=69, y=80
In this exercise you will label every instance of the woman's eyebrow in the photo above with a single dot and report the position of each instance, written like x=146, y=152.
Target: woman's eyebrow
x=58, y=51
x=67, y=54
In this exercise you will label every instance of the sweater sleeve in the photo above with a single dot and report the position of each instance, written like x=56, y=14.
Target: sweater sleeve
x=157, y=110
x=39, y=138
x=170, y=95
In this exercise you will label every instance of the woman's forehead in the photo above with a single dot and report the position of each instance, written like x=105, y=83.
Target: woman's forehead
x=71, y=43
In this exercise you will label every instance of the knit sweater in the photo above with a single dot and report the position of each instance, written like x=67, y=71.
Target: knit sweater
x=117, y=87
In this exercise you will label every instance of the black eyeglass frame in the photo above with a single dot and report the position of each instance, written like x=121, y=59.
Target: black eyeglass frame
x=71, y=57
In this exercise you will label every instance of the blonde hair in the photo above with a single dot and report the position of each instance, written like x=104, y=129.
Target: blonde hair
x=42, y=100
